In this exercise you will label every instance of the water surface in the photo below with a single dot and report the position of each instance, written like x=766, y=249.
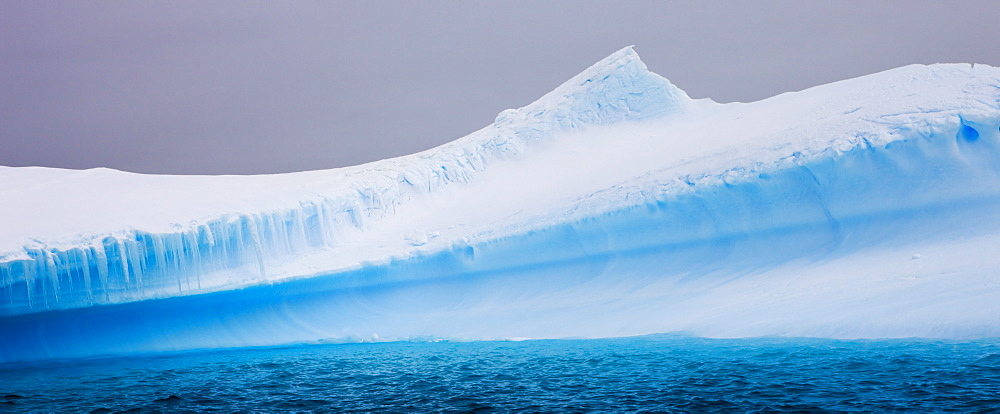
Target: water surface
x=653, y=373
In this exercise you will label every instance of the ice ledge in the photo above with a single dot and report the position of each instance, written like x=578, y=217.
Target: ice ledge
x=617, y=88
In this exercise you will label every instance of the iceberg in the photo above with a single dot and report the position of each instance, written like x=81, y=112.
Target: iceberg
x=614, y=205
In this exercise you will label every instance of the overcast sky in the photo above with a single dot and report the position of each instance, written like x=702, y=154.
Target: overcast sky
x=238, y=87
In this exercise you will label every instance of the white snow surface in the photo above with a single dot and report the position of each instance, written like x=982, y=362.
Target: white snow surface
x=902, y=165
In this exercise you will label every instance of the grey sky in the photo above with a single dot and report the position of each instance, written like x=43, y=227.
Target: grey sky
x=236, y=87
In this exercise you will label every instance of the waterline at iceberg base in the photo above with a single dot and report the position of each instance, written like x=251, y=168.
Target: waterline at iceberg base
x=613, y=206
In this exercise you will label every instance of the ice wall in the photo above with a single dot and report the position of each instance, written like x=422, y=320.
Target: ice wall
x=613, y=205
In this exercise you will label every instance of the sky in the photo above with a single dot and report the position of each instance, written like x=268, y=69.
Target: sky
x=257, y=87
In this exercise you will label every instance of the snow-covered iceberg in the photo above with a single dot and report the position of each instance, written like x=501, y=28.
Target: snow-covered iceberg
x=614, y=205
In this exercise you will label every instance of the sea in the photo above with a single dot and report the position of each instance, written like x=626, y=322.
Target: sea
x=658, y=373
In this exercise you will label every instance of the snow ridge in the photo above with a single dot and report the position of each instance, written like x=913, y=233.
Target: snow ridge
x=618, y=88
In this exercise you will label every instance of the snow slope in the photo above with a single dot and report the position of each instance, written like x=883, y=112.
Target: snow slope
x=614, y=205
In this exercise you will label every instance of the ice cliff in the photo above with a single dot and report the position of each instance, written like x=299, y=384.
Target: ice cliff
x=614, y=205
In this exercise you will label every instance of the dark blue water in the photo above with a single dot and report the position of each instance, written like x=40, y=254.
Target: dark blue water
x=657, y=373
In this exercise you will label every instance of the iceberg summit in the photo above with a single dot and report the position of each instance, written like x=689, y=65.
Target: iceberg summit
x=614, y=205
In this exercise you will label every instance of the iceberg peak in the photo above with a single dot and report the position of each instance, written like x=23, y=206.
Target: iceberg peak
x=617, y=88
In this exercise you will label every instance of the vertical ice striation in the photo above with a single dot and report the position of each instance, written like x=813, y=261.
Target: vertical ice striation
x=137, y=265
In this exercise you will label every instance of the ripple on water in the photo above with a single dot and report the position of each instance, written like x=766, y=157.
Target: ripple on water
x=658, y=373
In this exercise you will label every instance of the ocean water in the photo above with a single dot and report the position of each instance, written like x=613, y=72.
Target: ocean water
x=651, y=373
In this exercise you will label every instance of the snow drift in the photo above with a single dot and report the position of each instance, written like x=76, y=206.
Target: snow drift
x=614, y=205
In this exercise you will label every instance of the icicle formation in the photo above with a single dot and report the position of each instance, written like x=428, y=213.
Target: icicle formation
x=144, y=265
